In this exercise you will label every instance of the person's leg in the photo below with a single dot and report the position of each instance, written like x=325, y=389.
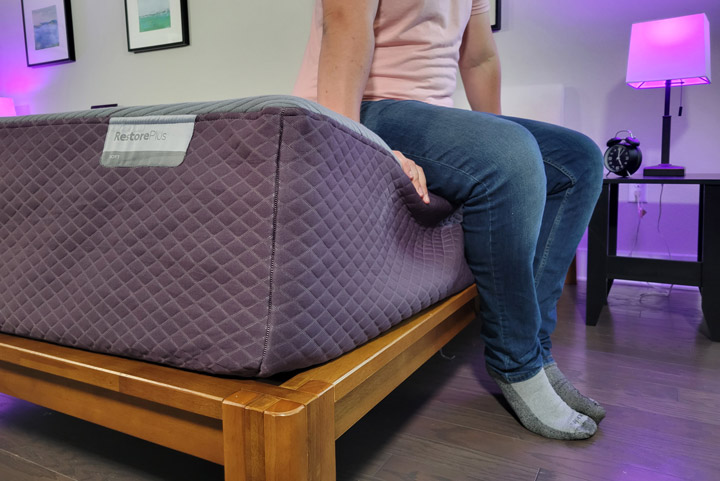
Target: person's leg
x=493, y=167
x=573, y=168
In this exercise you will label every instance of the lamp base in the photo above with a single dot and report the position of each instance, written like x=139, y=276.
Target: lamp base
x=664, y=170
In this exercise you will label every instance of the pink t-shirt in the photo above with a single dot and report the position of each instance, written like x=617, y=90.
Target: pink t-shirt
x=417, y=48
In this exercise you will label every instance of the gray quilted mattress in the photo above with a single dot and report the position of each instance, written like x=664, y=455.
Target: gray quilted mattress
x=281, y=236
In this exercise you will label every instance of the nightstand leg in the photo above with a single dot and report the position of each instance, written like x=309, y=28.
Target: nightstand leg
x=597, y=285
x=710, y=244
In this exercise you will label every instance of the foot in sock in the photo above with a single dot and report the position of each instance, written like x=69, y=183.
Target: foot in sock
x=572, y=396
x=542, y=411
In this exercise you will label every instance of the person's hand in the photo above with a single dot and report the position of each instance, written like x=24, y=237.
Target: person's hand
x=416, y=174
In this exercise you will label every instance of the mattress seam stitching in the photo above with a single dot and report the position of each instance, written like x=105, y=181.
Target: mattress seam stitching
x=276, y=194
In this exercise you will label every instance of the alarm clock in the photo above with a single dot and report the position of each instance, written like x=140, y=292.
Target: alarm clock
x=623, y=157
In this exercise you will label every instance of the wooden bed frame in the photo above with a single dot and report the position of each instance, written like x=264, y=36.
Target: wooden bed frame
x=259, y=430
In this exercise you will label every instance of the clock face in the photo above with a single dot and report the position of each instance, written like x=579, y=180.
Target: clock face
x=616, y=158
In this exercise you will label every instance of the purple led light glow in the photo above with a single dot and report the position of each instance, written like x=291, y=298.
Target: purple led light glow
x=656, y=84
x=7, y=107
x=675, y=49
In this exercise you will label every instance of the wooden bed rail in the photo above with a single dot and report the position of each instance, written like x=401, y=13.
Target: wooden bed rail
x=259, y=430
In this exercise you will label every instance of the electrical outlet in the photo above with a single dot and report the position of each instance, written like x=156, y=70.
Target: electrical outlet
x=637, y=193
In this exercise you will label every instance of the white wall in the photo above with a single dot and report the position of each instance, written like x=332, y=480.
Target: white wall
x=251, y=47
x=237, y=48
x=584, y=45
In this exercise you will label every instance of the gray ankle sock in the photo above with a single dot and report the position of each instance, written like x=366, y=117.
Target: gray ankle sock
x=542, y=411
x=572, y=396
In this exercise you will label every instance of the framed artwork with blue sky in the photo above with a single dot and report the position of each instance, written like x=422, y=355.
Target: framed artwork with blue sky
x=48, y=32
x=156, y=24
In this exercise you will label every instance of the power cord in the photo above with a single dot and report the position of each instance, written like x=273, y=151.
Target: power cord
x=661, y=292
x=641, y=213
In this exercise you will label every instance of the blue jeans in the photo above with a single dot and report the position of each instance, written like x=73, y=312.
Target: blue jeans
x=527, y=191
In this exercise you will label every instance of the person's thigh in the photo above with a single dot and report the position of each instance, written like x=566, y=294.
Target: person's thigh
x=570, y=157
x=455, y=145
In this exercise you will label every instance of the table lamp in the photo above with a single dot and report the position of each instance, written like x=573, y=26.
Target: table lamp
x=7, y=107
x=669, y=53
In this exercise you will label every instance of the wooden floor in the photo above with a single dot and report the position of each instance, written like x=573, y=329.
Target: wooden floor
x=658, y=377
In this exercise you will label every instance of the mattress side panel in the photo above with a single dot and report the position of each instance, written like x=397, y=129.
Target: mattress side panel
x=351, y=262
x=169, y=265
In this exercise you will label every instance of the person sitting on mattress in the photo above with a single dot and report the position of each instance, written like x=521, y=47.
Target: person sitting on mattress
x=527, y=188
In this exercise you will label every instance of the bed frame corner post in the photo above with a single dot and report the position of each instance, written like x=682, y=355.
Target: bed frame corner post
x=238, y=439
x=274, y=438
x=321, y=430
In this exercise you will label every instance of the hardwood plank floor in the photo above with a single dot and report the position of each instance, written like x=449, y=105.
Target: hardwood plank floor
x=645, y=361
x=19, y=469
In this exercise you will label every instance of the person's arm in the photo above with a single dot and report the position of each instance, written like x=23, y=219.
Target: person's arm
x=480, y=65
x=346, y=54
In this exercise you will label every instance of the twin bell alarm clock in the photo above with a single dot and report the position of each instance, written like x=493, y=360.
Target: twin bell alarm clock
x=623, y=157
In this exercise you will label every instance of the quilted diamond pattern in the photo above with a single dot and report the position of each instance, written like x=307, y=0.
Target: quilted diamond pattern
x=167, y=265
x=284, y=239
x=351, y=260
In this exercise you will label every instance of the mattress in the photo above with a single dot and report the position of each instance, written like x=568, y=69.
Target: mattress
x=244, y=237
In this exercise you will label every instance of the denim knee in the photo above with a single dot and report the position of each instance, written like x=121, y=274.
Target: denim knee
x=518, y=163
x=583, y=162
x=590, y=172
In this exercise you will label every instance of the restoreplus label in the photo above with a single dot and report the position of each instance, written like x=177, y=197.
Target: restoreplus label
x=154, y=141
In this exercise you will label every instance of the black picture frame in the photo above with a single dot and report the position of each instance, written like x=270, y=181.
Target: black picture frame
x=156, y=30
x=495, y=10
x=48, y=31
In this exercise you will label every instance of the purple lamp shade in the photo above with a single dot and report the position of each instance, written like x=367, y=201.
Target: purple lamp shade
x=7, y=107
x=675, y=49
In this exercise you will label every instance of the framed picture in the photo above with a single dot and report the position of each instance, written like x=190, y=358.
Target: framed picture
x=48, y=31
x=156, y=24
x=495, y=14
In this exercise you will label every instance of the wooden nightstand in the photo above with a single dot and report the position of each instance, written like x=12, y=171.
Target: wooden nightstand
x=604, y=265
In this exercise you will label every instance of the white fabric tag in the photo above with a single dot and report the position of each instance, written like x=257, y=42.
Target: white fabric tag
x=153, y=141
